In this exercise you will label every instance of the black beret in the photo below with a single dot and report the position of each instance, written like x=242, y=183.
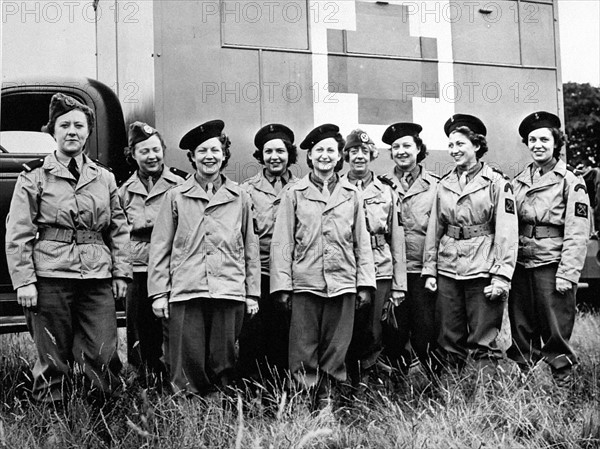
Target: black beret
x=201, y=134
x=138, y=132
x=537, y=120
x=60, y=104
x=357, y=138
x=470, y=121
x=397, y=130
x=273, y=131
x=319, y=133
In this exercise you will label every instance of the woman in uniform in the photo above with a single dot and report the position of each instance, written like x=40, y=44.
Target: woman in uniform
x=204, y=268
x=264, y=338
x=552, y=205
x=321, y=265
x=470, y=250
x=141, y=196
x=387, y=243
x=415, y=188
x=67, y=245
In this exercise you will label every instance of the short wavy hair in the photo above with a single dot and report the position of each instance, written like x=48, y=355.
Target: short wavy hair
x=128, y=151
x=290, y=147
x=475, y=138
x=89, y=115
x=559, y=141
x=225, y=146
x=341, y=142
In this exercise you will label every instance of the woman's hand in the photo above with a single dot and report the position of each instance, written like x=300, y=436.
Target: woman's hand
x=363, y=298
x=284, y=299
x=431, y=284
x=160, y=307
x=27, y=295
x=398, y=297
x=119, y=288
x=563, y=286
x=497, y=290
x=251, y=306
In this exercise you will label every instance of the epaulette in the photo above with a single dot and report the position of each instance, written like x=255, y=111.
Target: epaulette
x=499, y=172
x=387, y=180
x=570, y=168
x=100, y=164
x=180, y=173
x=33, y=164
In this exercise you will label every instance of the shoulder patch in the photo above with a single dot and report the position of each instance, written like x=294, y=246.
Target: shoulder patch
x=508, y=186
x=581, y=210
x=581, y=186
x=100, y=164
x=387, y=180
x=180, y=173
x=509, y=206
x=33, y=164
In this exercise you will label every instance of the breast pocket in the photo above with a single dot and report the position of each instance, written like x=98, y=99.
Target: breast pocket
x=378, y=211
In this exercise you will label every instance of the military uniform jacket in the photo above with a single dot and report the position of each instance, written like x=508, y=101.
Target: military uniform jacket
x=142, y=208
x=382, y=218
x=266, y=202
x=47, y=197
x=320, y=245
x=558, y=199
x=204, y=248
x=488, y=198
x=415, y=208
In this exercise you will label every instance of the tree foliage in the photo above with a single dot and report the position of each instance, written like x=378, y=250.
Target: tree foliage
x=582, y=117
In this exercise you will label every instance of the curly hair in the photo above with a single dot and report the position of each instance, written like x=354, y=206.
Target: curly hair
x=341, y=142
x=476, y=139
x=225, y=146
x=89, y=115
x=560, y=139
x=290, y=147
x=129, y=151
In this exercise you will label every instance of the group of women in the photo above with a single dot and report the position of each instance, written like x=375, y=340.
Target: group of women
x=298, y=272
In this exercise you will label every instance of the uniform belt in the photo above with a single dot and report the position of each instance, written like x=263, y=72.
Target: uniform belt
x=468, y=232
x=378, y=240
x=142, y=235
x=77, y=236
x=541, y=231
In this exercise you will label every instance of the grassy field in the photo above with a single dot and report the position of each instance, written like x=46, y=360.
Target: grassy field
x=403, y=413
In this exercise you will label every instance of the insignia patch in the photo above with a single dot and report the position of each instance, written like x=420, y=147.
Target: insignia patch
x=364, y=138
x=148, y=129
x=509, y=206
x=69, y=102
x=508, y=187
x=581, y=186
x=581, y=210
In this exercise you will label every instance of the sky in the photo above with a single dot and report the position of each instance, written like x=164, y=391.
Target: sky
x=579, y=22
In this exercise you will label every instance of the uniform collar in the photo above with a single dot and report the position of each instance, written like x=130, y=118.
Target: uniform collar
x=367, y=179
x=271, y=179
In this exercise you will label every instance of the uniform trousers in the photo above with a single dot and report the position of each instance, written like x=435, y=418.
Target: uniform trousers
x=416, y=325
x=202, y=336
x=144, y=329
x=74, y=322
x=320, y=333
x=264, y=339
x=469, y=322
x=541, y=319
x=367, y=340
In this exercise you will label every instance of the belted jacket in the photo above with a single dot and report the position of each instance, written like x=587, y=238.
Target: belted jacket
x=483, y=217
x=48, y=197
x=559, y=199
x=321, y=245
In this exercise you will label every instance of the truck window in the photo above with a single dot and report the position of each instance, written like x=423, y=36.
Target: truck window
x=27, y=142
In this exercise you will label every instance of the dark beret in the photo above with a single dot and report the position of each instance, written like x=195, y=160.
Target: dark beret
x=319, y=133
x=273, y=131
x=470, y=121
x=357, y=138
x=138, y=132
x=397, y=130
x=60, y=104
x=201, y=134
x=537, y=120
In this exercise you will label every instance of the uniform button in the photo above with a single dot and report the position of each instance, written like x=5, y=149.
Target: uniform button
x=148, y=221
x=208, y=233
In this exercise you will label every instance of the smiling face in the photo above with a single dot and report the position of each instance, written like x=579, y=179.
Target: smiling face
x=541, y=145
x=462, y=150
x=324, y=156
x=275, y=155
x=149, y=155
x=359, y=158
x=208, y=157
x=71, y=132
x=405, y=152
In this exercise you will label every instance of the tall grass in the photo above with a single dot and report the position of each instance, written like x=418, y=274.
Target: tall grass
x=402, y=412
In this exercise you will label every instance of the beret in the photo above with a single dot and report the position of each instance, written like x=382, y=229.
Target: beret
x=319, y=133
x=201, y=134
x=470, y=121
x=60, y=104
x=397, y=130
x=138, y=132
x=540, y=119
x=273, y=131
x=357, y=138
